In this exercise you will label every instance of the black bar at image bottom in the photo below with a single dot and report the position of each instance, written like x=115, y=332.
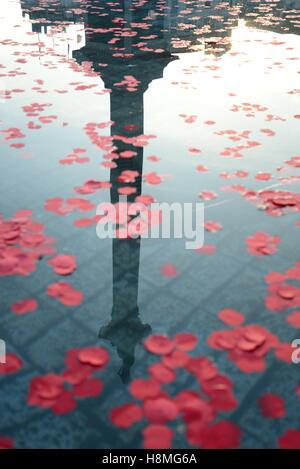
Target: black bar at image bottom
x=141, y=458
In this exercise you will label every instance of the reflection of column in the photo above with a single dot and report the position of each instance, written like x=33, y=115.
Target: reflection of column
x=125, y=328
x=127, y=108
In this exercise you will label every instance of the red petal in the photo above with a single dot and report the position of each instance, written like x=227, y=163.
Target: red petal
x=201, y=367
x=65, y=293
x=231, y=317
x=159, y=344
x=64, y=404
x=272, y=406
x=294, y=319
x=290, y=439
x=63, y=264
x=144, y=388
x=12, y=365
x=157, y=437
x=45, y=390
x=160, y=410
x=185, y=342
x=27, y=305
x=90, y=388
x=176, y=359
x=94, y=356
x=162, y=373
x=168, y=270
x=6, y=443
x=76, y=376
x=284, y=352
x=222, y=435
x=126, y=415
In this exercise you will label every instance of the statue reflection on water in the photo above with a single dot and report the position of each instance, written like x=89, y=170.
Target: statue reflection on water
x=125, y=329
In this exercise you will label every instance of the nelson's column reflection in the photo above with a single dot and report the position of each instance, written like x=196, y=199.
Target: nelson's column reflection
x=125, y=328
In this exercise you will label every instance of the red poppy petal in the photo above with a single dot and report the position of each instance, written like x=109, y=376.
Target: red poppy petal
x=185, y=342
x=64, y=404
x=169, y=270
x=27, y=305
x=144, y=388
x=176, y=359
x=157, y=437
x=63, y=264
x=12, y=364
x=94, y=356
x=231, y=317
x=160, y=410
x=284, y=352
x=222, y=435
x=65, y=293
x=290, y=439
x=161, y=373
x=294, y=319
x=159, y=344
x=78, y=375
x=272, y=406
x=6, y=442
x=126, y=415
x=90, y=388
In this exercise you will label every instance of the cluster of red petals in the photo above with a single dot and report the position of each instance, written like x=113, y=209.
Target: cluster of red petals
x=246, y=346
x=63, y=264
x=277, y=202
x=129, y=82
x=283, y=295
x=261, y=244
x=63, y=207
x=104, y=142
x=12, y=364
x=58, y=392
x=197, y=409
x=91, y=186
x=34, y=109
x=65, y=293
x=22, y=244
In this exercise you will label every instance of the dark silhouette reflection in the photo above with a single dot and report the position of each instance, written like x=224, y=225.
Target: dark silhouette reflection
x=125, y=329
